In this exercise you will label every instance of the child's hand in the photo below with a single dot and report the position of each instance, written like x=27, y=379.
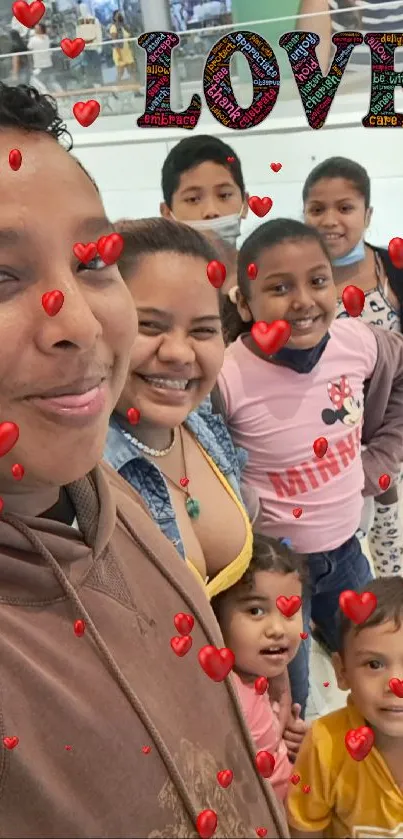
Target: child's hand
x=294, y=732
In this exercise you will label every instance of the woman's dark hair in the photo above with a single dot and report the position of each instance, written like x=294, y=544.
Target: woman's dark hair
x=340, y=167
x=389, y=607
x=190, y=152
x=266, y=236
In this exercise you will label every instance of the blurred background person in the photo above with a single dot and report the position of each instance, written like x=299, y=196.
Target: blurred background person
x=123, y=56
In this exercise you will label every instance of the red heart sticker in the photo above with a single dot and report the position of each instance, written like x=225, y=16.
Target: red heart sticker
x=306, y=788
x=288, y=606
x=216, y=272
x=110, y=248
x=15, y=159
x=1, y=505
x=230, y=159
x=271, y=337
x=79, y=628
x=85, y=253
x=261, y=685
x=359, y=742
x=184, y=482
x=384, y=482
x=18, y=471
x=320, y=446
x=303, y=635
x=133, y=415
x=295, y=779
x=252, y=271
x=11, y=742
x=276, y=166
x=396, y=685
x=353, y=300
x=225, y=777
x=265, y=763
x=206, y=824
x=146, y=750
x=86, y=112
x=216, y=663
x=395, y=250
x=9, y=434
x=261, y=831
x=357, y=607
x=260, y=206
x=52, y=302
x=29, y=14
x=68, y=748
x=184, y=623
x=181, y=644
x=72, y=48
x=297, y=512
x=326, y=684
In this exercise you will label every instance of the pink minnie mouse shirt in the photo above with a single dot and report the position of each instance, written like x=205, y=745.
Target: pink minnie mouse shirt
x=276, y=414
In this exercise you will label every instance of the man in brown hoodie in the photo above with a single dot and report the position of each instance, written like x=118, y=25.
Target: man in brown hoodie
x=105, y=731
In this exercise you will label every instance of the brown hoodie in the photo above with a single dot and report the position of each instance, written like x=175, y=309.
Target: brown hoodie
x=84, y=707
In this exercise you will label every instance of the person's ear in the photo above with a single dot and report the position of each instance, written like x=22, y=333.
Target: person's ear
x=245, y=206
x=339, y=669
x=243, y=307
x=164, y=210
x=368, y=217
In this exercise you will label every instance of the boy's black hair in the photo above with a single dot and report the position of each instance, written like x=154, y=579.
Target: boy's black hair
x=265, y=236
x=340, y=167
x=268, y=555
x=190, y=152
x=389, y=594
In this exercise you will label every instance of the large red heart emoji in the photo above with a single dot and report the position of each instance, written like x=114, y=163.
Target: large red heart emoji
x=72, y=48
x=359, y=742
x=260, y=206
x=181, y=644
x=395, y=250
x=86, y=112
x=133, y=415
x=216, y=663
x=79, y=628
x=275, y=167
x=288, y=606
x=29, y=14
x=357, y=607
x=225, y=777
x=52, y=302
x=261, y=685
x=270, y=337
x=261, y=831
x=15, y=159
x=206, y=824
x=110, y=248
x=384, y=482
x=18, y=471
x=297, y=512
x=265, y=763
x=354, y=300
x=396, y=685
x=11, y=742
x=9, y=434
x=184, y=623
x=295, y=779
x=85, y=253
x=216, y=272
x=320, y=446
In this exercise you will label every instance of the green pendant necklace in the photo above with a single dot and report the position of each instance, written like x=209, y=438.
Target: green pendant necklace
x=192, y=504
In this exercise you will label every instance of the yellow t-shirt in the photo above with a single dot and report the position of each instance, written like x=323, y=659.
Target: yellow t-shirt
x=348, y=798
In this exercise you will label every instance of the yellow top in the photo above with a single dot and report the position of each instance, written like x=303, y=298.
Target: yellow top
x=232, y=573
x=347, y=798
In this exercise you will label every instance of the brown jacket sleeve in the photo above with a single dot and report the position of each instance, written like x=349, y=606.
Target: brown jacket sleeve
x=383, y=412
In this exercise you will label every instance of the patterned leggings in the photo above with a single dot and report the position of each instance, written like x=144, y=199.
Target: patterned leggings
x=385, y=538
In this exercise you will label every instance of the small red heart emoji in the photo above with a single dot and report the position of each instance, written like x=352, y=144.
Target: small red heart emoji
x=395, y=249
x=326, y=684
x=252, y=271
x=184, y=623
x=288, y=606
x=9, y=434
x=396, y=685
x=230, y=159
x=133, y=415
x=384, y=482
x=72, y=48
x=265, y=763
x=216, y=663
x=295, y=779
x=15, y=159
x=52, y=302
x=297, y=512
x=86, y=112
x=261, y=685
x=110, y=248
x=146, y=750
x=276, y=166
x=216, y=272
x=260, y=206
x=29, y=14
x=184, y=482
x=181, y=644
x=11, y=742
x=85, y=253
x=354, y=300
x=1, y=505
x=303, y=635
x=320, y=446
x=270, y=337
x=357, y=607
x=17, y=471
x=261, y=831
x=359, y=742
x=79, y=628
x=68, y=748
x=225, y=777
x=206, y=824
x=306, y=788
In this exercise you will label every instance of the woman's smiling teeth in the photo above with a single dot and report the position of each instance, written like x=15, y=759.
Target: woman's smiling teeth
x=169, y=384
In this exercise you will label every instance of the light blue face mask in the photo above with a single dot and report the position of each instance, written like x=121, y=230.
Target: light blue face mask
x=356, y=255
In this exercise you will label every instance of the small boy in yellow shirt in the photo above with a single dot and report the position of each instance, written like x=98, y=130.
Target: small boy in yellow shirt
x=342, y=791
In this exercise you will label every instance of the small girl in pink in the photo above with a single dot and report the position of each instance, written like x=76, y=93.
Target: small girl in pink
x=264, y=640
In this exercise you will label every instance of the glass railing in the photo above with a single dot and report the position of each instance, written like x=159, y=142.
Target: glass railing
x=121, y=91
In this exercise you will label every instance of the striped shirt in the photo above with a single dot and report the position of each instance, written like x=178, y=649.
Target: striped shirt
x=376, y=16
